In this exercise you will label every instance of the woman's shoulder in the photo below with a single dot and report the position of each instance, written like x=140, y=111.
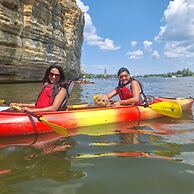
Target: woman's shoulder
x=67, y=86
x=135, y=82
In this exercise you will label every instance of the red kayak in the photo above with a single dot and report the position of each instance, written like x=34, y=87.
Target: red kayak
x=16, y=123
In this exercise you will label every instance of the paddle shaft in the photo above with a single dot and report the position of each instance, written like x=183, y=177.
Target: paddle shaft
x=34, y=115
x=57, y=128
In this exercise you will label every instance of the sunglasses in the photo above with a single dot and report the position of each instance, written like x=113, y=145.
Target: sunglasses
x=123, y=76
x=54, y=74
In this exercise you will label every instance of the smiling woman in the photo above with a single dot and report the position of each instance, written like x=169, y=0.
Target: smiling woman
x=53, y=95
x=129, y=89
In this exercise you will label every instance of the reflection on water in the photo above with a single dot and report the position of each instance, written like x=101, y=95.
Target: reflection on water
x=56, y=161
x=160, y=133
x=141, y=156
x=41, y=157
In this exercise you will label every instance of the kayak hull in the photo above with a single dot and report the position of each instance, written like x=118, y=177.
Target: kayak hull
x=14, y=123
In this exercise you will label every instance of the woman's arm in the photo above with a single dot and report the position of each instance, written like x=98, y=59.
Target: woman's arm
x=54, y=107
x=22, y=105
x=112, y=93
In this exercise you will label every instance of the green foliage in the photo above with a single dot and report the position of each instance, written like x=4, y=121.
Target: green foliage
x=179, y=73
x=91, y=76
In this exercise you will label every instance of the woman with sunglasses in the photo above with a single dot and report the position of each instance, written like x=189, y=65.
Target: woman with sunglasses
x=129, y=90
x=53, y=92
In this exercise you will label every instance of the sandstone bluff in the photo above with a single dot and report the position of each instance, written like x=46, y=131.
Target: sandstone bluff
x=37, y=33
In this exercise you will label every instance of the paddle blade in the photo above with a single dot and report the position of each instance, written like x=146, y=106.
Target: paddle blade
x=59, y=129
x=170, y=109
x=2, y=101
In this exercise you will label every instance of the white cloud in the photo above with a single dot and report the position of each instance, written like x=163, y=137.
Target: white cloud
x=81, y=5
x=178, y=31
x=147, y=45
x=155, y=55
x=179, y=49
x=107, y=44
x=90, y=32
x=135, y=54
x=133, y=43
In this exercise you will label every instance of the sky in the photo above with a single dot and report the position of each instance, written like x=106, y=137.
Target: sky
x=146, y=36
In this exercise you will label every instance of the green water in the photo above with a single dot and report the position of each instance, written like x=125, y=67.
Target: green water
x=154, y=157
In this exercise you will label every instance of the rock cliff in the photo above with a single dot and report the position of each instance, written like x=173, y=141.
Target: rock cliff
x=37, y=33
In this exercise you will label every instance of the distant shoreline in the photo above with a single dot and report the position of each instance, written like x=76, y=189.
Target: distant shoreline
x=179, y=73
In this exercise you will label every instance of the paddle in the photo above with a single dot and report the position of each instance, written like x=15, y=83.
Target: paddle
x=79, y=106
x=171, y=108
x=59, y=129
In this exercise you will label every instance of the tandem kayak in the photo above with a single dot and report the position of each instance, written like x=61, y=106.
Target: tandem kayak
x=17, y=123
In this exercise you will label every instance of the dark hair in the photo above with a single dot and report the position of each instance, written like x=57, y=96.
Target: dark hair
x=122, y=69
x=56, y=87
x=46, y=75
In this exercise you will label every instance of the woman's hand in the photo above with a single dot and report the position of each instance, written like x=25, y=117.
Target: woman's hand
x=15, y=107
x=117, y=103
x=15, y=104
x=19, y=108
x=26, y=109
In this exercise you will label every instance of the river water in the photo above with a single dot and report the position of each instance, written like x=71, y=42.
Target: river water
x=154, y=157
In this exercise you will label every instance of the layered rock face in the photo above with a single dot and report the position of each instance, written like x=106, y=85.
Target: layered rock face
x=37, y=33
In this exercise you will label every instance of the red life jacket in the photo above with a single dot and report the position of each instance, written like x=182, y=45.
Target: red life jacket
x=45, y=98
x=125, y=91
